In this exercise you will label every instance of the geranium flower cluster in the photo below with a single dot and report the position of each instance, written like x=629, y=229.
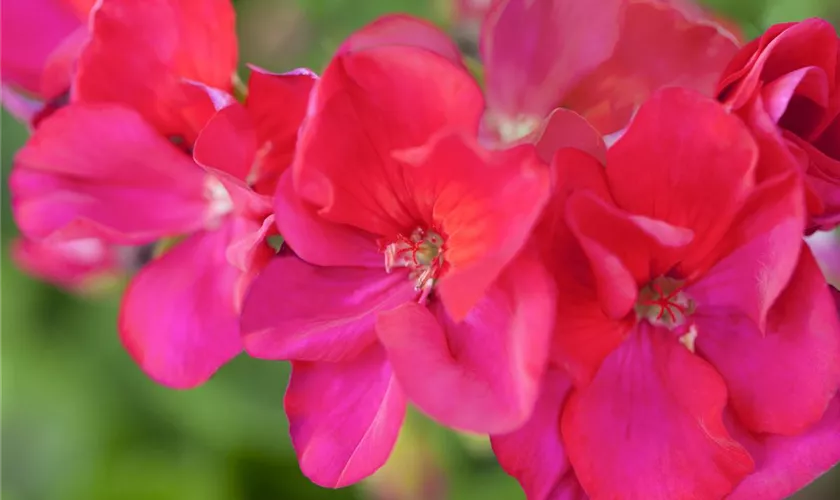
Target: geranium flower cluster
x=597, y=257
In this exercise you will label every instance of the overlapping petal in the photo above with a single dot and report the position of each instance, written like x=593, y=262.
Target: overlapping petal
x=367, y=104
x=176, y=42
x=344, y=417
x=94, y=171
x=649, y=394
x=299, y=311
x=179, y=318
x=492, y=361
x=534, y=454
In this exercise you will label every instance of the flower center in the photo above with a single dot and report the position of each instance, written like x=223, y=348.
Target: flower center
x=423, y=253
x=663, y=303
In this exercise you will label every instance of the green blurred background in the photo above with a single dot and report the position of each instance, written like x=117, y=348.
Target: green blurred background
x=81, y=422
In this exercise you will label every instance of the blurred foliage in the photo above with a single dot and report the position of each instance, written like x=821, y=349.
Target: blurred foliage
x=81, y=422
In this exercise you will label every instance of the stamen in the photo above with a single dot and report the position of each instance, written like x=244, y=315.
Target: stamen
x=423, y=253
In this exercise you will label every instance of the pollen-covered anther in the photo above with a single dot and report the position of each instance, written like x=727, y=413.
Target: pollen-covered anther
x=664, y=303
x=423, y=253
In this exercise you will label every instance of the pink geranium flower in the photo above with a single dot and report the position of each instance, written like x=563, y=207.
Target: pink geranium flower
x=115, y=165
x=697, y=347
x=406, y=276
x=600, y=61
x=786, y=84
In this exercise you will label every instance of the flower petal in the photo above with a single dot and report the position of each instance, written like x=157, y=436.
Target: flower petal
x=72, y=264
x=277, y=105
x=661, y=45
x=228, y=142
x=483, y=373
x=624, y=250
x=298, y=311
x=367, y=104
x=760, y=253
x=317, y=240
x=94, y=171
x=31, y=31
x=534, y=454
x=566, y=129
x=786, y=464
x=485, y=202
x=344, y=417
x=693, y=174
x=179, y=318
x=529, y=71
x=173, y=41
x=401, y=29
x=649, y=394
x=780, y=381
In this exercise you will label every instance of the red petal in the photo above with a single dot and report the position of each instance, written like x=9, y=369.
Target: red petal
x=367, y=104
x=486, y=203
x=228, y=142
x=660, y=45
x=169, y=42
x=625, y=251
x=101, y=171
x=534, y=454
x=694, y=174
x=781, y=380
x=483, y=373
x=653, y=412
x=344, y=417
x=319, y=241
x=782, y=49
x=298, y=311
x=277, y=105
x=179, y=318
x=759, y=254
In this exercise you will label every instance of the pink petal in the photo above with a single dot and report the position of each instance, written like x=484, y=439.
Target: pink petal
x=486, y=202
x=101, y=171
x=317, y=240
x=624, y=250
x=567, y=129
x=179, y=317
x=401, y=29
x=31, y=31
x=760, y=253
x=660, y=45
x=483, y=373
x=174, y=41
x=344, y=417
x=303, y=312
x=74, y=264
x=693, y=174
x=277, y=105
x=649, y=425
x=780, y=381
x=367, y=104
x=786, y=464
x=534, y=454
x=529, y=71
x=19, y=105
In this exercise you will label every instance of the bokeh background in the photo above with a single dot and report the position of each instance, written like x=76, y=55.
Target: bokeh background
x=81, y=422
